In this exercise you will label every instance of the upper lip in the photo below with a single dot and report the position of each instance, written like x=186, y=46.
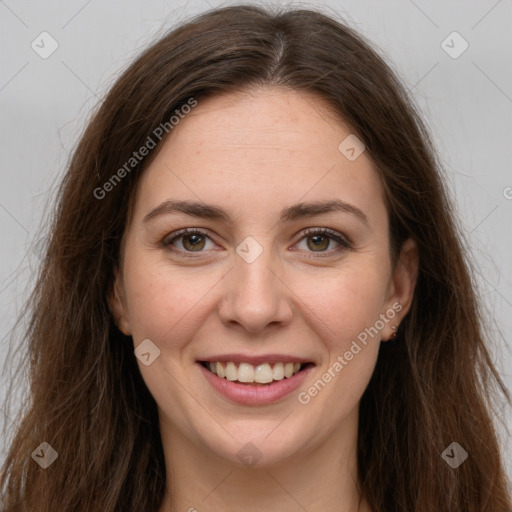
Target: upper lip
x=256, y=359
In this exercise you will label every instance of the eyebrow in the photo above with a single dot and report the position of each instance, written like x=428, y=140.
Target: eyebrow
x=294, y=212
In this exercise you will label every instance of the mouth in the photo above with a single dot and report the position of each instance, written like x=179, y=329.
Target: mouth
x=264, y=374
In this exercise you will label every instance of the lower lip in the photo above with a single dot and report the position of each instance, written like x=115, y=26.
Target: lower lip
x=249, y=394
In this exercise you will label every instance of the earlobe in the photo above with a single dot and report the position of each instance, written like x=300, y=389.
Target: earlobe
x=117, y=306
x=402, y=286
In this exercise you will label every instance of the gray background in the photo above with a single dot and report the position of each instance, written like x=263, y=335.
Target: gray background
x=466, y=101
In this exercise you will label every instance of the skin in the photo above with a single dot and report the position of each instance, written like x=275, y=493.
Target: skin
x=254, y=153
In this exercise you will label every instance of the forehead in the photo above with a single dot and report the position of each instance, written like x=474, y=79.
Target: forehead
x=262, y=149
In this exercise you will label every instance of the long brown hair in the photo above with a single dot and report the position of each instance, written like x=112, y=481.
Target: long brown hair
x=435, y=384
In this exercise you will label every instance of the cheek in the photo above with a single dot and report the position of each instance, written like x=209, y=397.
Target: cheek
x=161, y=303
x=350, y=308
x=347, y=308
x=345, y=302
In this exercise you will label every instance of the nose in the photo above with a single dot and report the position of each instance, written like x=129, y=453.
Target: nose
x=256, y=296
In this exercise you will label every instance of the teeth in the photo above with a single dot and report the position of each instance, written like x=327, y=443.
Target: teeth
x=231, y=371
x=220, y=370
x=263, y=373
x=278, y=372
x=248, y=373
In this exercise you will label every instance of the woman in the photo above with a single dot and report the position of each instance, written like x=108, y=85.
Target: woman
x=254, y=294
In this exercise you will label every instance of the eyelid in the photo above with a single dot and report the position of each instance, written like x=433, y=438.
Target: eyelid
x=340, y=238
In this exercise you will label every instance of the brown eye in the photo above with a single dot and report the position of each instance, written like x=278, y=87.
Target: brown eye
x=320, y=242
x=193, y=242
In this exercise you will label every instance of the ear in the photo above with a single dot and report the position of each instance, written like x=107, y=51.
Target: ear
x=117, y=304
x=401, y=286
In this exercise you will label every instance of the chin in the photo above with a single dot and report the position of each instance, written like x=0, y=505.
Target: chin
x=265, y=449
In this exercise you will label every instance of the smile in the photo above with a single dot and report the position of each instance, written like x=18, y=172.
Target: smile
x=264, y=373
x=254, y=384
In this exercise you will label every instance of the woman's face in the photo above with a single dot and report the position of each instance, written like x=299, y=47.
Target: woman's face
x=255, y=280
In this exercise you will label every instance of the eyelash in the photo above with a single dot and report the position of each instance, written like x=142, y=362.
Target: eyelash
x=333, y=235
